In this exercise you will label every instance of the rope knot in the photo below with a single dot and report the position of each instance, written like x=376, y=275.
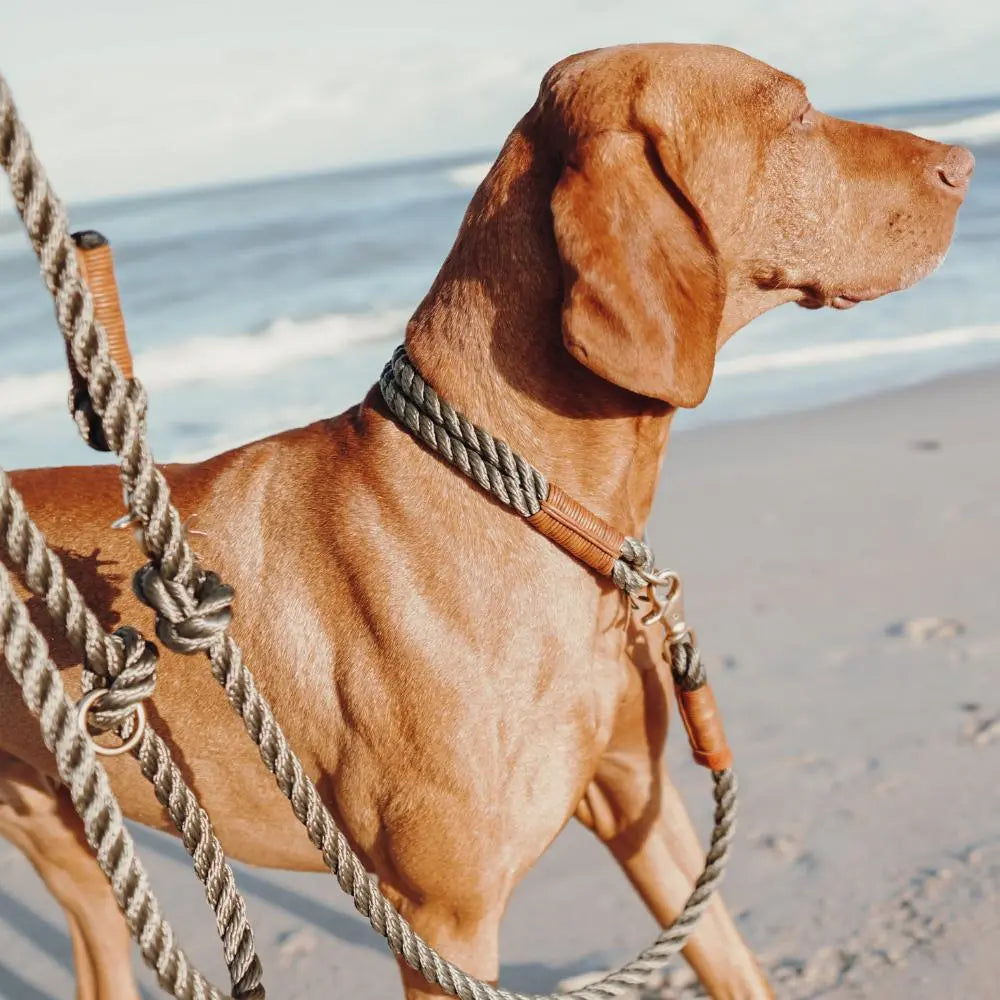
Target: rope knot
x=188, y=620
x=636, y=557
x=134, y=682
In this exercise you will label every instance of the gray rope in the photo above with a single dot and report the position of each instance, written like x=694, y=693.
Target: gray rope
x=125, y=664
x=686, y=666
x=635, y=556
x=485, y=459
x=129, y=664
x=28, y=660
x=191, y=602
x=475, y=452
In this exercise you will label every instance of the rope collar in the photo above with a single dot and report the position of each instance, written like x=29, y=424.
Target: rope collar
x=504, y=474
x=629, y=562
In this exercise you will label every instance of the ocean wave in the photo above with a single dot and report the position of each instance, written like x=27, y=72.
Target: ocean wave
x=470, y=175
x=286, y=343
x=217, y=359
x=816, y=355
x=977, y=129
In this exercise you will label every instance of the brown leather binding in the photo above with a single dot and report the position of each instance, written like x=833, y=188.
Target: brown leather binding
x=581, y=533
x=703, y=723
x=93, y=254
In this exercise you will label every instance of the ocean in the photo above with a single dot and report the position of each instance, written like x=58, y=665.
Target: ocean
x=260, y=306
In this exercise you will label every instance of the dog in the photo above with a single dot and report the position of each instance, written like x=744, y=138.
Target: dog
x=457, y=686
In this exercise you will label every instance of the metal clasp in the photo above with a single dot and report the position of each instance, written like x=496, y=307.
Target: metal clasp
x=665, y=596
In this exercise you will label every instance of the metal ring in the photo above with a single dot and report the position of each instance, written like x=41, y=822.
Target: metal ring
x=83, y=708
x=662, y=578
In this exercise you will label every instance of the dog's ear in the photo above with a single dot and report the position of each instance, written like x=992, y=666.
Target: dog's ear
x=643, y=288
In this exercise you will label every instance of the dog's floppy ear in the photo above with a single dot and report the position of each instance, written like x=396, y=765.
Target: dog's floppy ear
x=643, y=289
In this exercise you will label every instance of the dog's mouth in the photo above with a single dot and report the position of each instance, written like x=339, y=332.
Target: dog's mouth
x=813, y=294
x=817, y=298
x=846, y=301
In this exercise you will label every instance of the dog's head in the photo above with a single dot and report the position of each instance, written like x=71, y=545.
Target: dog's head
x=698, y=188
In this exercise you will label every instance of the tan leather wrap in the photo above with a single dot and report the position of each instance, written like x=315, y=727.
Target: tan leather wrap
x=577, y=530
x=703, y=723
x=98, y=271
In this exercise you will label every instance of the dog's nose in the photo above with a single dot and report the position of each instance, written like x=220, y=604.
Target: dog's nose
x=956, y=168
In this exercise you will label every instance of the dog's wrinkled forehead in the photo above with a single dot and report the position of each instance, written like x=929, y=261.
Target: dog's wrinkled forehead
x=666, y=86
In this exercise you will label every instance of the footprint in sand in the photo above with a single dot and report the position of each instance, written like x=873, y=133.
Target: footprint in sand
x=980, y=729
x=783, y=844
x=296, y=944
x=928, y=629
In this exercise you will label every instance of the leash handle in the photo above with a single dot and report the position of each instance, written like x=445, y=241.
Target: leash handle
x=97, y=268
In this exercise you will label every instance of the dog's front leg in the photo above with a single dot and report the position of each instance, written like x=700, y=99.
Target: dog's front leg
x=464, y=932
x=37, y=817
x=657, y=847
x=634, y=808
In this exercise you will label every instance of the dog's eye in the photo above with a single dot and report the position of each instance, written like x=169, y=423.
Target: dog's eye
x=806, y=117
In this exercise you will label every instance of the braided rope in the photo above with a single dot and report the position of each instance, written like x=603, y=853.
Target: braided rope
x=125, y=663
x=28, y=660
x=129, y=675
x=686, y=666
x=487, y=460
x=472, y=450
x=195, y=604
x=130, y=664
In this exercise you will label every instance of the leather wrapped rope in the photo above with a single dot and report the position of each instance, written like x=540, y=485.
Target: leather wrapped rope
x=97, y=268
x=581, y=533
x=509, y=477
x=703, y=722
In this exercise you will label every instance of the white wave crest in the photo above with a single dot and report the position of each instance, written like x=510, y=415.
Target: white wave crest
x=217, y=359
x=286, y=343
x=855, y=350
x=976, y=129
x=469, y=175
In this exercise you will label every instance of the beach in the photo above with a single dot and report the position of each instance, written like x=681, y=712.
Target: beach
x=840, y=567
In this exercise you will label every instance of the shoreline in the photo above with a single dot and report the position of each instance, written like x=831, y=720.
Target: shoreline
x=700, y=418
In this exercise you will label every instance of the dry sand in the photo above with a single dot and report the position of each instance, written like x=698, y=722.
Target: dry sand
x=841, y=570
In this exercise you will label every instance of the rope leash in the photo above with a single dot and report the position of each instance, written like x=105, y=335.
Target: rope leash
x=193, y=614
x=131, y=674
x=124, y=664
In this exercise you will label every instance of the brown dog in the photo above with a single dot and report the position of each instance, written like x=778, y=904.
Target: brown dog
x=457, y=685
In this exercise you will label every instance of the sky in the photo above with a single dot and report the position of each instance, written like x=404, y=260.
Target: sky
x=123, y=96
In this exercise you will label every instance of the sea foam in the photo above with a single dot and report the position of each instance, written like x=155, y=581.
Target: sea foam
x=240, y=357
x=285, y=344
x=844, y=352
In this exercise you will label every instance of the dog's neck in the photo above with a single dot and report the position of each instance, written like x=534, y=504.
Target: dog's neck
x=488, y=338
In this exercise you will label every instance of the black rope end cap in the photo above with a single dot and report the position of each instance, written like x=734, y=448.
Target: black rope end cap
x=89, y=239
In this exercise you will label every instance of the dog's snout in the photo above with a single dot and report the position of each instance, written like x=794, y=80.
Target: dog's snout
x=955, y=170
